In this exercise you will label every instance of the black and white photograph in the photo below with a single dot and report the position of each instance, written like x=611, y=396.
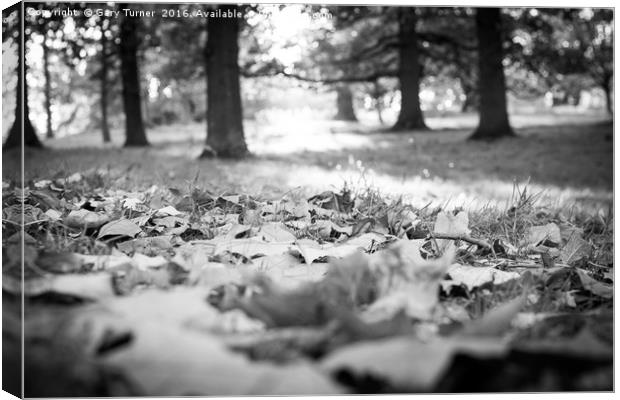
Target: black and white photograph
x=306, y=199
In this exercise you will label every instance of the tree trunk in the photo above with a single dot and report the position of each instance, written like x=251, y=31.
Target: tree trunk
x=344, y=103
x=134, y=126
x=225, y=137
x=22, y=115
x=145, y=104
x=409, y=73
x=379, y=109
x=472, y=100
x=491, y=83
x=377, y=96
x=607, y=89
x=47, y=89
x=103, y=100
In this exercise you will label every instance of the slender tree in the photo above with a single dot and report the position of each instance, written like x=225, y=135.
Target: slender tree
x=49, y=133
x=225, y=136
x=377, y=92
x=492, y=83
x=409, y=72
x=344, y=104
x=103, y=80
x=22, y=115
x=128, y=46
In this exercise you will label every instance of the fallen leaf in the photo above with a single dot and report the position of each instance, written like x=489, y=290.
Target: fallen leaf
x=567, y=231
x=213, y=274
x=169, y=210
x=145, y=262
x=406, y=282
x=85, y=219
x=205, y=367
x=74, y=178
x=595, y=287
x=409, y=365
x=167, y=222
x=131, y=203
x=142, y=220
x=575, y=250
x=584, y=345
x=545, y=234
x=496, y=321
x=85, y=286
x=274, y=232
x=299, y=209
x=109, y=263
x=149, y=245
x=474, y=277
x=170, y=333
x=132, y=277
x=234, y=231
x=288, y=270
x=251, y=247
x=276, y=261
x=121, y=227
x=42, y=184
x=59, y=262
x=312, y=251
x=53, y=214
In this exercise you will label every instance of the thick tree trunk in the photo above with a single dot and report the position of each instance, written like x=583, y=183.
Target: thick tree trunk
x=103, y=100
x=491, y=83
x=134, y=126
x=344, y=104
x=49, y=133
x=410, y=116
x=225, y=137
x=22, y=118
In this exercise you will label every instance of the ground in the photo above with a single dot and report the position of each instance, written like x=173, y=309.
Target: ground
x=362, y=261
x=568, y=157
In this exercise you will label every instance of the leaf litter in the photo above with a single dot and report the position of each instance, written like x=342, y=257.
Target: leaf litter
x=336, y=293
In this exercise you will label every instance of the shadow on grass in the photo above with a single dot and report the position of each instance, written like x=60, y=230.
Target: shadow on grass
x=566, y=156
x=569, y=161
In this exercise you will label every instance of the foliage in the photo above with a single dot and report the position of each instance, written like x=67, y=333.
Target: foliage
x=346, y=290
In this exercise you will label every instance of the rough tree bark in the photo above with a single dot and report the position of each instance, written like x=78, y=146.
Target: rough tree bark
x=410, y=116
x=22, y=115
x=49, y=133
x=225, y=136
x=103, y=81
x=344, y=104
x=494, y=122
x=134, y=125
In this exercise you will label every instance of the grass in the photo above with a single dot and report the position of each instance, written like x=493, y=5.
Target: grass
x=570, y=165
x=108, y=171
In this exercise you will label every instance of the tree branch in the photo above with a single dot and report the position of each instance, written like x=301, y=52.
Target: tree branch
x=465, y=238
x=440, y=38
x=280, y=72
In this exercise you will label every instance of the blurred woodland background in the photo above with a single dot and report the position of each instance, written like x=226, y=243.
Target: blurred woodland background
x=378, y=86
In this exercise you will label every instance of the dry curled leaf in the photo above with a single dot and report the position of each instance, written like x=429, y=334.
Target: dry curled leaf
x=121, y=227
x=85, y=219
